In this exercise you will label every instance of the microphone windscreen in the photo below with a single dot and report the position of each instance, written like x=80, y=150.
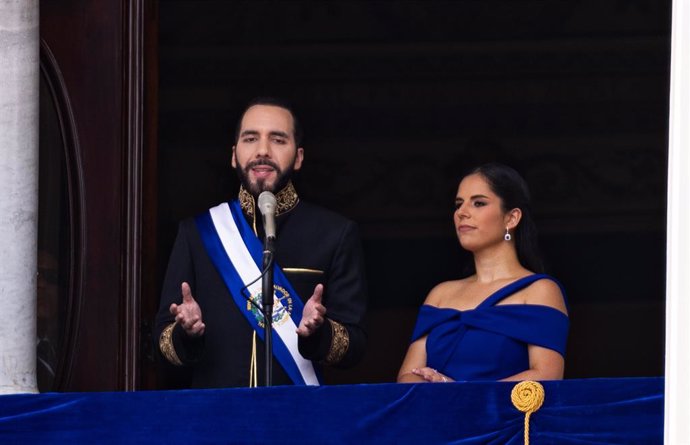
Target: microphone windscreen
x=267, y=203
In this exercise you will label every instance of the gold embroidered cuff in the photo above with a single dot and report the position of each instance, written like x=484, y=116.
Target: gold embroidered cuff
x=166, y=345
x=339, y=343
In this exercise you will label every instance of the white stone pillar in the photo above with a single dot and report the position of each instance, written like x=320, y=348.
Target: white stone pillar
x=19, y=74
x=677, y=391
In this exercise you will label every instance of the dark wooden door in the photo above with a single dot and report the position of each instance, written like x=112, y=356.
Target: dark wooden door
x=98, y=77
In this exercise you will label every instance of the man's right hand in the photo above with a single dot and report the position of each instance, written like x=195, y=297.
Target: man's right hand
x=188, y=314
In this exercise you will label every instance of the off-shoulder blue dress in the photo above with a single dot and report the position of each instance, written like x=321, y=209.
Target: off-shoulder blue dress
x=490, y=341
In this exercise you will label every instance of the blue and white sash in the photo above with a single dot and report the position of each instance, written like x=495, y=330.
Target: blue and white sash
x=237, y=254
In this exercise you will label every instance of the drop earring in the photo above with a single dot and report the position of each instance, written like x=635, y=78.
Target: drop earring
x=507, y=236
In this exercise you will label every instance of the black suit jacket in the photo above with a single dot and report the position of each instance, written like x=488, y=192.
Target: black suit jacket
x=313, y=245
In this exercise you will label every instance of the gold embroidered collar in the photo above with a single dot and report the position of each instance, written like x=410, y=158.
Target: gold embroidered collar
x=286, y=200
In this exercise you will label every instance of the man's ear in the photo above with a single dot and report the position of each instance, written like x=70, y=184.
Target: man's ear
x=233, y=160
x=513, y=218
x=299, y=158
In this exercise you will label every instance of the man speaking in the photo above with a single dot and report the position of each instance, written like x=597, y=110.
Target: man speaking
x=210, y=316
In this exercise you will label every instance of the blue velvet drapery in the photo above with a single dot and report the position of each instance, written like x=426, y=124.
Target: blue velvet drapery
x=591, y=411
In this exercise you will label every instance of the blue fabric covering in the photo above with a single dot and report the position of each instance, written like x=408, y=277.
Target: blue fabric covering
x=594, y=411
x=490, y=341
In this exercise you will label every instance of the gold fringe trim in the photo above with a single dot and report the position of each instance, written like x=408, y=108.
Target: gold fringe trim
x=527, y=396
x=167, y=347
x=339, y=343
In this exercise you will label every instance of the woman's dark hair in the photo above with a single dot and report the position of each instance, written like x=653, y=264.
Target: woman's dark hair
x=508, y=185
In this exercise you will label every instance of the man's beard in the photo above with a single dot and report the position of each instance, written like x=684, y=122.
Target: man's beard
x=282, y=177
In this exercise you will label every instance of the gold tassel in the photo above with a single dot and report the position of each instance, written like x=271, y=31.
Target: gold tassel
x=527, y=396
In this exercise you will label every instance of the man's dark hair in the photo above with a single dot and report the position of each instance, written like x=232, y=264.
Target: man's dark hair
x=275, y=102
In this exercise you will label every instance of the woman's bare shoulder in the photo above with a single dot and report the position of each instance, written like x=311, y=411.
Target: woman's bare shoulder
x=546, y=292
x=442, y=292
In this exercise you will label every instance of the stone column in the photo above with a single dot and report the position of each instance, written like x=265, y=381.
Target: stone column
x=677, y=390
x=19, y=74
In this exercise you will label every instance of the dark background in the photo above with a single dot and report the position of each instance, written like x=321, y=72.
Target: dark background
x=399, y=98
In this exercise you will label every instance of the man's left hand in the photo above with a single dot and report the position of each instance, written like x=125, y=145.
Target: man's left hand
x=313, y=313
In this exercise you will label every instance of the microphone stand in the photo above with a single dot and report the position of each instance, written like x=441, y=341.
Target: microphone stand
x=267, y=289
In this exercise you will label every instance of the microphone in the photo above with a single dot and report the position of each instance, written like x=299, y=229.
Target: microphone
x=267, y=206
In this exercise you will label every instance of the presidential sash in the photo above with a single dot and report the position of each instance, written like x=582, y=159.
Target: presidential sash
x=237, y=253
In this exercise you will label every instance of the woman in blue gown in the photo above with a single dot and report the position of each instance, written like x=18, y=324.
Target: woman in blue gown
x=507, y=320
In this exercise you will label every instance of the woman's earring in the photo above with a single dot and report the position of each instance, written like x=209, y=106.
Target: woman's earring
x=507, y=236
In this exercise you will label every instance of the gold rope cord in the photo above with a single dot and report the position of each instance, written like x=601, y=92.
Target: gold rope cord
x=527, y=396
x=253, y=374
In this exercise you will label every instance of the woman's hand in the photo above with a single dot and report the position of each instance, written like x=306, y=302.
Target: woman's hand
x=431, y=375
